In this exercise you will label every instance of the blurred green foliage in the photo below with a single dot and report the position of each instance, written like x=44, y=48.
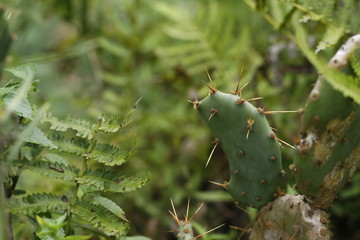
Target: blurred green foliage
x=101, y=56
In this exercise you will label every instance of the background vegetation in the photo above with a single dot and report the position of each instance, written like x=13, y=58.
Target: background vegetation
x=99, y=57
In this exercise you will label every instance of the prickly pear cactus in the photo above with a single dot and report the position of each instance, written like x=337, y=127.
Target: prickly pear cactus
x=329, y=149
x=185, y=231
x=290, y=218
x=250, y=145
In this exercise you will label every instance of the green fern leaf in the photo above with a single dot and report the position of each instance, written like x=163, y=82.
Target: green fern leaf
x=100, y=217
x=109, y=154
x=355, y=64
x=83, y=128
x=110, y=181
x=21, y=107
x=110, y=205
x=114, y=123
x=23, y=71
x=346, y=84
x=38, y=202
x=48, y=169
x=202, y=39
x=38, y=137
x=331, y=37
x=74, y=146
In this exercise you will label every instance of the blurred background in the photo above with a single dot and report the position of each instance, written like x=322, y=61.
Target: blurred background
x=99, y=57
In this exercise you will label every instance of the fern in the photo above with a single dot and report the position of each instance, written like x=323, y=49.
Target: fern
x=52, y=170
x=83, y=128
x=110, y=181
x=39, y=202
x=100, y=217
x=75, y=146
x=208, y=37
x=355, y=64
x=110, y=205
x=38, y=137
x=109, y=154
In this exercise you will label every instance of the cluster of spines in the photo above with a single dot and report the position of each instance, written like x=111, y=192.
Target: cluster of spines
x=185, y=228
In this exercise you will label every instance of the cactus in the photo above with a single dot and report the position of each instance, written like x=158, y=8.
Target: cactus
x=290, y=217
x=329, y=150
x=249, y=143
x=185, y=228
x=328, y=153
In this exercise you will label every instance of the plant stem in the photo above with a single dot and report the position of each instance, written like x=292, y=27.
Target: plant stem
x=83, y=169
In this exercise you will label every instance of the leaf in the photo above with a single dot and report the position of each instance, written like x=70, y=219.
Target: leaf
x=135, y=238
x=109, y=154
x=106, y=181
x=110, y=205
x=78, y=237
x=101, y=217
x=49, y=169
x=114, y=123
x=24, y=71
x=331, y=37
x=83, y=128
x=73, y=145
x=38, y=137
x=38, y=202
x=53, y=158
x=346, y=84
x=14, y=149
x=20, y=106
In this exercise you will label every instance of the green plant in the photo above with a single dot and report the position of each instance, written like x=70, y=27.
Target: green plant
x=84, y=166
x=328, y=145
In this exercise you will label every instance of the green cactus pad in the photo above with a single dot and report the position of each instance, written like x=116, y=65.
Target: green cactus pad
x=329, y=151
x=185, y=231
x=249, y=144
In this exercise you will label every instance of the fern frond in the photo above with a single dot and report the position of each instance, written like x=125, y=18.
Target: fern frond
x=38, y=137
x=110, y=181
x=114, y=123
x=355, y=64
x=51, y=170
x=202, y=39
x=109, y=155
x=38, y=202
x=74, y=146
x=100, y=217
x=110, y=205
x=83, y=128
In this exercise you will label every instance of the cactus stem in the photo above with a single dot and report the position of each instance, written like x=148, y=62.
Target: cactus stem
x=200, y=235
x=216, y=141
x=224, y=185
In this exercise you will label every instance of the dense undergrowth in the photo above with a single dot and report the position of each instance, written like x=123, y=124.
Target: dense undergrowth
x=98, y=58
